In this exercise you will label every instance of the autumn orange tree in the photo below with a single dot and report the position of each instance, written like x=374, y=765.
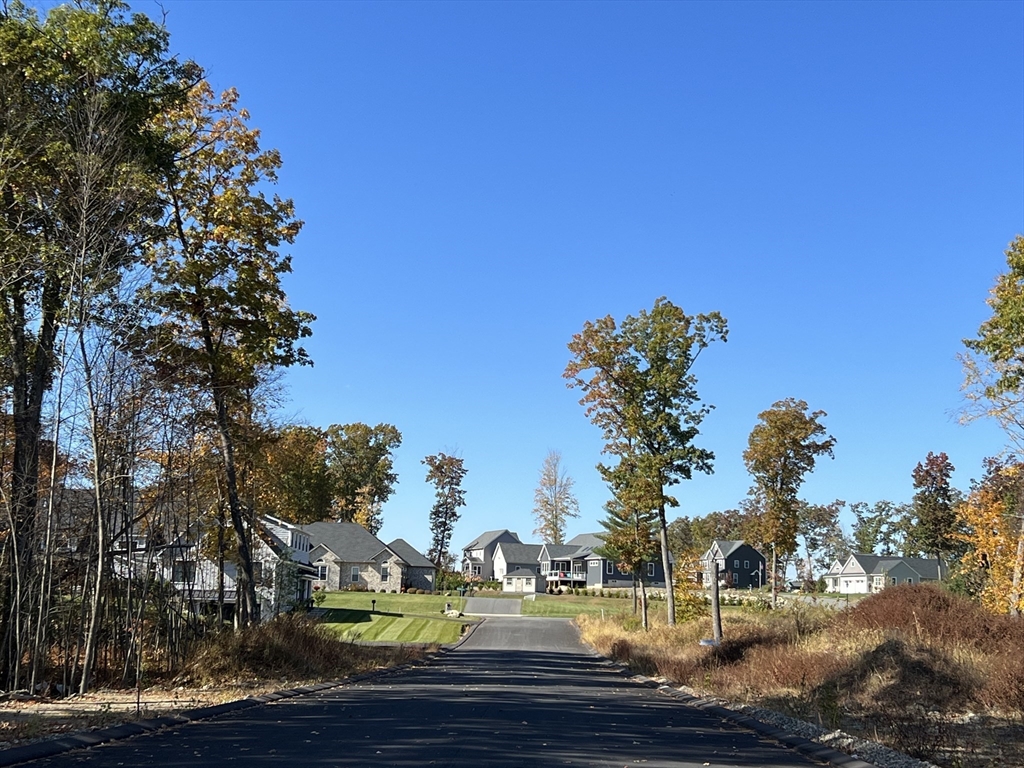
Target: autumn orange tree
x=223, y=314
x=991, y=532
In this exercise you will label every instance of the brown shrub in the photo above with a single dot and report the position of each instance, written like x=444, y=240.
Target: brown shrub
x=290, y=646
x=1004, y=682
x=927, y=611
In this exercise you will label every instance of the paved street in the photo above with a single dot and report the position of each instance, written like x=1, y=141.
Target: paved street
x=521, y=692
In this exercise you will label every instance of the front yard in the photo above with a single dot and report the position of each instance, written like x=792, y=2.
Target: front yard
x=394, y=618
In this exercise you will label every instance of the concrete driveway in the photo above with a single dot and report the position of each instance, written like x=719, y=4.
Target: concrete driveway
x=493, y=606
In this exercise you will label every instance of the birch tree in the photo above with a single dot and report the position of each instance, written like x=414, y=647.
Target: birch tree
x=553, y=500
x=994, y=384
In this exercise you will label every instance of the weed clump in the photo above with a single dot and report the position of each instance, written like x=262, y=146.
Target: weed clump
x=290, y=646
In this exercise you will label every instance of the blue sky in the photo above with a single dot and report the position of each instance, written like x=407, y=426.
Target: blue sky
x=478, y=179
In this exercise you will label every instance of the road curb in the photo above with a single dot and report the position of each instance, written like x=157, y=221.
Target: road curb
x=84, y=739
x=804, y=746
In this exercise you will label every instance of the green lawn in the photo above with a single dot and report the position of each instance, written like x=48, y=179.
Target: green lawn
x=389, y=602
x=574, y=605
x=395, y=618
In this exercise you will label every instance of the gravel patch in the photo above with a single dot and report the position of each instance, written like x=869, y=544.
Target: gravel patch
x=870, y=751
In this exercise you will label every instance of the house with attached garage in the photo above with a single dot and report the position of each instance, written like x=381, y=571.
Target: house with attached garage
x=864, y=574
x=511, y=556
x=347, y=556
x=740, y=566
x=478, y=555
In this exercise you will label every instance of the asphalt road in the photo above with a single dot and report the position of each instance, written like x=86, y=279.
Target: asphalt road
x=520, y=693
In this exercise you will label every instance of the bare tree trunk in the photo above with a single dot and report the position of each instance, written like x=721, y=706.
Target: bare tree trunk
x=670, y=598
x=774, y=577
x=643, y=603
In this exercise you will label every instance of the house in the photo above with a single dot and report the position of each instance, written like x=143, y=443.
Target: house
x=511, y=556
x=280, y=562
x=523, y=580
x=864, y=574
x=740, y=566
x=347, y=556
x=478, y=555
x=577, y=564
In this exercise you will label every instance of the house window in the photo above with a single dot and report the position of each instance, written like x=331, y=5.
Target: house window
x=538, y=569
x=892, y=580
x=650, y=569
x=593, y=563
x=746, y=564
x=355, y=573
x=735, y=563
x=609, y=567
x=184, y=571
x=910, y=580
x=321, y=573
x=477, y=570
x=385, y=572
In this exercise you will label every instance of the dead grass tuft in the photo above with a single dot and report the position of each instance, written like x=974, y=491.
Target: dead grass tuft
x=290, y=646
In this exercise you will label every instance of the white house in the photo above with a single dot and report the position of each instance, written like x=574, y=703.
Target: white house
x=862, y=574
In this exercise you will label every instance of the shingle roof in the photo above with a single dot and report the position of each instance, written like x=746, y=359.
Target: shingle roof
x=875, y=565
x=522, y=573
x=520, y=553
x=587, y=542
x=728, y=546
x=350, y=542
x=409, y=553
x=488, y=537
x=561, y=551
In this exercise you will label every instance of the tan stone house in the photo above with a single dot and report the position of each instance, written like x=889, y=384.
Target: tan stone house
x=347, y=556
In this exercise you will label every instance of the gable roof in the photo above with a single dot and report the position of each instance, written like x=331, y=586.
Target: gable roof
x=488, y=537
x=560, y=551
x=522, y=573
x=350, y=542
x=520, y=553
x=587, y=542
x=409, y=554
x=727, y=546
x=876, y=565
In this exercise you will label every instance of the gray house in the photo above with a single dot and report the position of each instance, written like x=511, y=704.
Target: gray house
x=863, y=574
x=577, y=564
x=347, y=556
x=478, y=555
x=740, y=566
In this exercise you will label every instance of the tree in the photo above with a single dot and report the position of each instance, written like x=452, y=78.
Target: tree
x=999, y=386
x=934, y=506
x=79, y=96
x=639, y=388
x=824, y=542
x=629, y=541
x=781, y=450
x=446, y=473
x=217, y=287
x=553, y=500
x=990, y=531
x=293, y=478
x=362, y=463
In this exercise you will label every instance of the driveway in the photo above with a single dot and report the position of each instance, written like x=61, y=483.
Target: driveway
x=493, y=606
x=520, y=692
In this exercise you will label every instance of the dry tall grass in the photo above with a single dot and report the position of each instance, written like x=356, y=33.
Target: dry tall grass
x=901, y=665
x=291, y=647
